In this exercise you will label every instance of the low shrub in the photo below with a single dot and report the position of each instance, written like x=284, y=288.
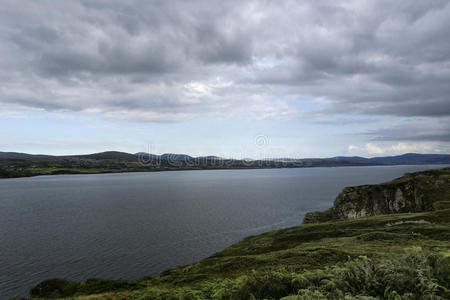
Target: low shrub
x=414, y=275
x=53, y=288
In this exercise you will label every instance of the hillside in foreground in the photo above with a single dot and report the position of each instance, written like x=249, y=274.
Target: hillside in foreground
x=390, y=256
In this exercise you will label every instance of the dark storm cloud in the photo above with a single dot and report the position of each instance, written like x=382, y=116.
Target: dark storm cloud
x=178, y=60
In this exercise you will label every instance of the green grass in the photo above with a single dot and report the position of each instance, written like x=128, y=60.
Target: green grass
x=326, y=261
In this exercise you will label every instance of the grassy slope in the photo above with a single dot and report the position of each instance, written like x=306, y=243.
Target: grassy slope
x=294, y=250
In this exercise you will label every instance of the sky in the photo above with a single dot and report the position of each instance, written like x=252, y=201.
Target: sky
x=239, y=79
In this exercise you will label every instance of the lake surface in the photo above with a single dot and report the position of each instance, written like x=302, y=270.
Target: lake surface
x=130, y=225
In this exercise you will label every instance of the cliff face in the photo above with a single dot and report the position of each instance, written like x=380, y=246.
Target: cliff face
x=415, y=192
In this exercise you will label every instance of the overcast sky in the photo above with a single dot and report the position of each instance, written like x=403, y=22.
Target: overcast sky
x=229, y=78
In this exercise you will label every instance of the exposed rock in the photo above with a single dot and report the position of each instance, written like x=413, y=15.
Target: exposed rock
x=415, y=192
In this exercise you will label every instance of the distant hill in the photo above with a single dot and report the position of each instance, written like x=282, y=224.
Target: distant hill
x=18, y=155
x=412, y=158
x=122, y=156
x=404, y=159
x=14, y=164
x=353, y=159
x=179, y=157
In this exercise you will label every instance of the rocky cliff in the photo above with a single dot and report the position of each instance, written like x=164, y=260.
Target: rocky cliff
x=414, y=192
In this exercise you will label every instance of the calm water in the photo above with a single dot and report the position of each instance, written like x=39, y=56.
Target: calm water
x=125, y=226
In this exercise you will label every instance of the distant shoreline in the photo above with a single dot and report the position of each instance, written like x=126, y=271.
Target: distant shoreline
x=206, y=169
x=16, y=165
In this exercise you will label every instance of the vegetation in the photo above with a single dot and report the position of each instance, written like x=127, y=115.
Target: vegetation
x=398, y=256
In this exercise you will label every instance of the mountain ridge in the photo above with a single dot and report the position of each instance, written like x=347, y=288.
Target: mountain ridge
x=15, y=164
x=180, y=156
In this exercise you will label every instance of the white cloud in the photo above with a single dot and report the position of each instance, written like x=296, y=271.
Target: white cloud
x=405, y=147
x=352, y=148
x=372, y=148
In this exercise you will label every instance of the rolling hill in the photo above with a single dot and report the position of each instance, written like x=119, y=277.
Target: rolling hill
x=13, y=164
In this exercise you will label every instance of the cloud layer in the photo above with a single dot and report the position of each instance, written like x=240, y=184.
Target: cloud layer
x=172, y=61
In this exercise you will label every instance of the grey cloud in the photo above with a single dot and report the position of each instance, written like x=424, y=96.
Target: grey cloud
x=425, y=108
x=412, y=136
x=137, y=57
x=379, y=60
x=234, y=47
x=418, y=130
x=118, y=38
